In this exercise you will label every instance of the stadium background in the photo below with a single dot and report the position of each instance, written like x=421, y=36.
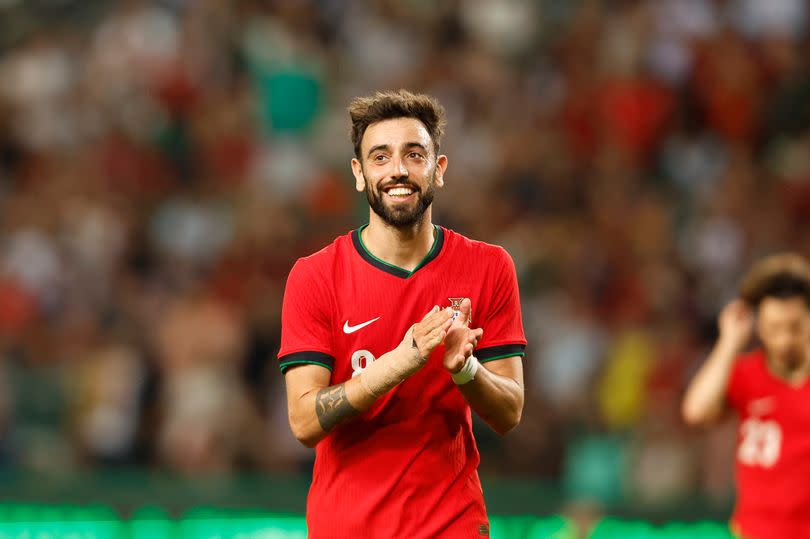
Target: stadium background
x=162, y=164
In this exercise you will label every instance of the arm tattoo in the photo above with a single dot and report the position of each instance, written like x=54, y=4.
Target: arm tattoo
x=413, y=345
x=333, y=407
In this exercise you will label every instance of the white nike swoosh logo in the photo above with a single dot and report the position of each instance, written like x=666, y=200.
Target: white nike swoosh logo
x=351, y=329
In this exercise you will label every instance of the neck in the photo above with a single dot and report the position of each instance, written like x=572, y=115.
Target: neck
x=792, y=374
x=404, y=247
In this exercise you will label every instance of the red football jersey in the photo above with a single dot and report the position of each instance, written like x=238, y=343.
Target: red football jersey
x=407, y=466
x=773, y=452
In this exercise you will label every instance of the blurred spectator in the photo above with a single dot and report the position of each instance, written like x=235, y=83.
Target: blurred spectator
x=107, y=398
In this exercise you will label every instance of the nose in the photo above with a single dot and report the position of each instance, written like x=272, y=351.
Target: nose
x=399, y=169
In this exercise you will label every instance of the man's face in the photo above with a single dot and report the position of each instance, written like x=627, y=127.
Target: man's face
x=784, y=328
x=399, y=170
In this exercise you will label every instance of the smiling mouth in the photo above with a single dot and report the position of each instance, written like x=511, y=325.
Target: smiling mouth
x=400, y=192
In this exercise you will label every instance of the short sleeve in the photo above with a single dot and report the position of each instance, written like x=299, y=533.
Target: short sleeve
x=502, y=322
x=736, y=394
x=306, y=336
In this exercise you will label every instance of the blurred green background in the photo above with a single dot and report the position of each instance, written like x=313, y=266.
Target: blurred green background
x=61, y=522
x=134, y=504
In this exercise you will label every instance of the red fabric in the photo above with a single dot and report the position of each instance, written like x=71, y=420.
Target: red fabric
x=406, y=467
x=773, y=452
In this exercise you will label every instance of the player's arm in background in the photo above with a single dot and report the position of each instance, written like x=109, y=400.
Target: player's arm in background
x=705, y=399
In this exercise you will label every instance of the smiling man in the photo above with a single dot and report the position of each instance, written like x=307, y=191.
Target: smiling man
x=377, y=346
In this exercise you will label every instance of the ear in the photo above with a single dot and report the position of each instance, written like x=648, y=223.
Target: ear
x=441, y=168
x=359, y=179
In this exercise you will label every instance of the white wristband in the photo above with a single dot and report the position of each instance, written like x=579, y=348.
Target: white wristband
x=467, y=372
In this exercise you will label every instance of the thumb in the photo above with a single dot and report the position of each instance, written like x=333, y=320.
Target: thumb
x=466, y=311
x=433, y=310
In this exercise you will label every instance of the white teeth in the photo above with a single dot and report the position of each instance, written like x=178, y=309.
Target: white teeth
x=400, y=191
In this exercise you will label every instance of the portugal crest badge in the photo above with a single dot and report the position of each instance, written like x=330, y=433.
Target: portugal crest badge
x=455, y=304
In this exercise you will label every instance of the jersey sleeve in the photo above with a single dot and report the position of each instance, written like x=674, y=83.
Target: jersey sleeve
x=736, y=394
x=502, y=322
x=306, y=336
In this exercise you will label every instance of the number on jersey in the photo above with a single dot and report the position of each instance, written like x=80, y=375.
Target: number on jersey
x=761, y=443
x=360, y=360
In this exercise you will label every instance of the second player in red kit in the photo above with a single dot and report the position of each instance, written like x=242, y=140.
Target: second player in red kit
x=391, y=336
x=769, y=388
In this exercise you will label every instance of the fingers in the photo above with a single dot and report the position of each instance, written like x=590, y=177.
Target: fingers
x=473, y=336
x=432, y=330
x=738, y=307
x=464, y=334
x=736, y=311
x=460, y=358
x=439, y=320
x=432, y=340
x=433, y=311
x=436, y=317
x=437, y=323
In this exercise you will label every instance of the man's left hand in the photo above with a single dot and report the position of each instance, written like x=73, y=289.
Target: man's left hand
x=460, y=340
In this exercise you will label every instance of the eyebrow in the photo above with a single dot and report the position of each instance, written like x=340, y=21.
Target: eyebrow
x=407, y=146
x=410, y=145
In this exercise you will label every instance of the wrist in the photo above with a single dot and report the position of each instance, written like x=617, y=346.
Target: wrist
x=416, y=354
x=406, y=360
x=730, y=345
x=467, y=372
x=389, y=370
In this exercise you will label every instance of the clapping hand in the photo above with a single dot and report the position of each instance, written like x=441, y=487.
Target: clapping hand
x=460, y=339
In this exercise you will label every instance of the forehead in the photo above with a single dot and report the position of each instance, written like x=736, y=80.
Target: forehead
x=782, y=308
x=394, y=133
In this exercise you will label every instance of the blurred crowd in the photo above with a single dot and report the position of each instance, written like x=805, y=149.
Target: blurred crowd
x=162, y=167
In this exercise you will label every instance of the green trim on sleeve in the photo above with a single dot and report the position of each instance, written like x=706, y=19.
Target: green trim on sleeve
x=519, y=354
x=499, y=352
x=305, y=358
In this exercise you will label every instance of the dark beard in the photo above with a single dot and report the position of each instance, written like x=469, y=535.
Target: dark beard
x=401, y=217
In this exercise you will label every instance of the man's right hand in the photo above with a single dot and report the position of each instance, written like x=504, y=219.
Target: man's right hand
x=409, y=356
x=424, y=336
x=736, y=323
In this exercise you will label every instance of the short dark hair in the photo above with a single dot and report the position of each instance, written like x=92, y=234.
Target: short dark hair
x=783, y=276
x=388, y=105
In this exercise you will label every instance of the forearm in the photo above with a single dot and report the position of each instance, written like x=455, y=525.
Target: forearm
x=315, y=413
x=496, y=398
x=705, y=397
x=318, y=410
